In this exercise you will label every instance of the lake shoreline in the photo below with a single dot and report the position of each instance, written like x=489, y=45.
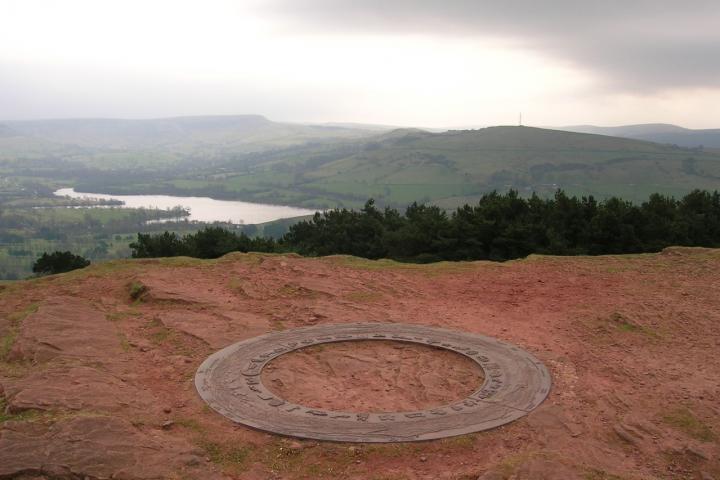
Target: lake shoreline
x=202, y=209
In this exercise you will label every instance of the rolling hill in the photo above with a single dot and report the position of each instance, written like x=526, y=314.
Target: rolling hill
x=657, y=132
x=118, y=142
x=455, y=167
x=252, y=158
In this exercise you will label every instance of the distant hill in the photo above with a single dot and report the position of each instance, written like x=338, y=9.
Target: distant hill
x=6, y=131
x=657, y=132
x=452, y=168
x=201, y=134
x=252, y=158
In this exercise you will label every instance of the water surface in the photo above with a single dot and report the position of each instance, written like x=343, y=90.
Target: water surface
x=202, y=209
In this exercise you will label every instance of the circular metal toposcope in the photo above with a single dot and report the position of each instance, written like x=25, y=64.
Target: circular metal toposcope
x=515, y=383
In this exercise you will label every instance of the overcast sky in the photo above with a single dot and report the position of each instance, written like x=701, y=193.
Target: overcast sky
x=444, y=63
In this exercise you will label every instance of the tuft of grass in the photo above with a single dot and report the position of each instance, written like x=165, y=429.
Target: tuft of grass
x=510, y=464
x=190, y=424
x=5, y=416
x=16, y=318
x=328, y=462
x=233, y=458
x=160, y=335
x=684, y=420
x=35, y=415
x=236, y=285
x=459, y=442
x=624, y=324
x=137, y=290
x=124, y=344
x=292, y=290
x=277, y=325
x=429, y=269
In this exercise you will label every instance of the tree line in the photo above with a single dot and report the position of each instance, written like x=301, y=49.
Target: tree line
x=501, y=226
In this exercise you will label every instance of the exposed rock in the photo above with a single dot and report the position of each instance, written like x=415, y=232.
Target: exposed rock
x=62, y=327
x=623, y=434
x=78, y=388
x=67, y=360
x=217, y=331
x=97, y=447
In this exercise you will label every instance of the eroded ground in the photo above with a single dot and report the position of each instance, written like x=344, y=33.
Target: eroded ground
x=372, y=376
x=97, y=366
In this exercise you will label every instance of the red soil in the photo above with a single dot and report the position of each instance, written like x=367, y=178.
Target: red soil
x=97, y=385
x=372, y=376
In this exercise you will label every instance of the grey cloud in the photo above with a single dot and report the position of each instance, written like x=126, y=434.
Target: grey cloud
x=632, y=45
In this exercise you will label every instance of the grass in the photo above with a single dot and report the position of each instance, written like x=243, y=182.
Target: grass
x=624, y=324
x=25, y=415
x=429, y=269
x=509, y=465
x=683, y=419
x=15, y=319
x=459, y=442
x=297, y=291
x=233, y=458
x=159, y=333
x=189, y=423
x=40, y=415
x=137, y=290
x=124, y=344
x=326, y=462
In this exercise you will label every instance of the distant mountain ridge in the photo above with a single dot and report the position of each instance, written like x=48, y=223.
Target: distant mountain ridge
x=656, y=132
x=176, y=133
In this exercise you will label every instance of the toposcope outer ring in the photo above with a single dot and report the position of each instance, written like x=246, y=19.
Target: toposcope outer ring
x=515, y=383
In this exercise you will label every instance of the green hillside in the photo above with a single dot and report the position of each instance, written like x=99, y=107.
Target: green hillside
x=453, y=168
x=254, y=159
x=120, y=143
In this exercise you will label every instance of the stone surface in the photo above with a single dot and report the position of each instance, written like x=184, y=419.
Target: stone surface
x=564, y=310
x=54, y=331
x=515, y=383
x=78, y=388
x=97, y=447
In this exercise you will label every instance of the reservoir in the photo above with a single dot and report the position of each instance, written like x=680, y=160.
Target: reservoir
x=202, y=209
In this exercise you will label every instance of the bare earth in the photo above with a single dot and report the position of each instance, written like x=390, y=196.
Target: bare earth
x=372, y=376
x=94, y=384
